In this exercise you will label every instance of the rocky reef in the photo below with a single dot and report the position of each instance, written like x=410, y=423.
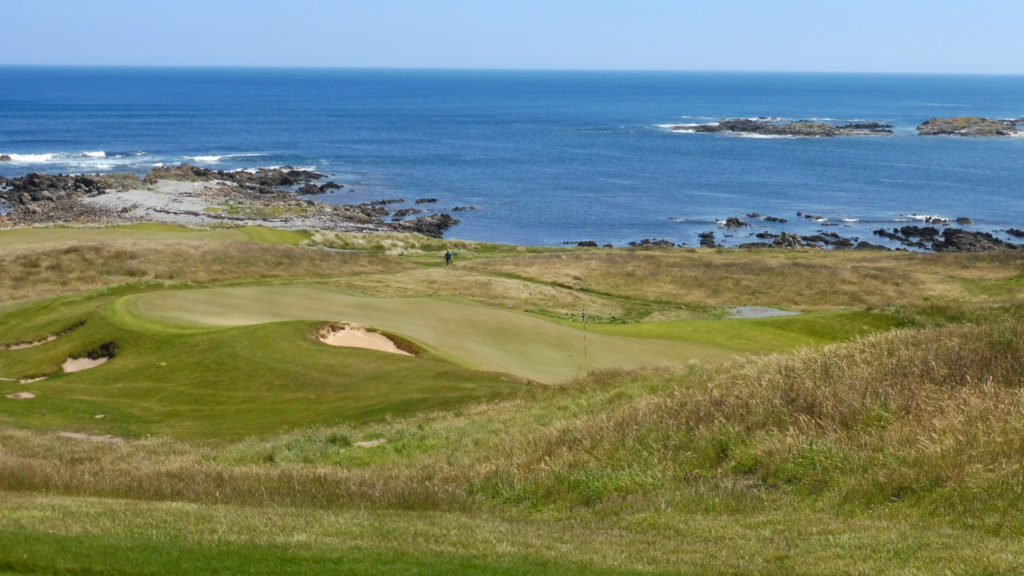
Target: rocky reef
x=968, y=126
x=799, y=128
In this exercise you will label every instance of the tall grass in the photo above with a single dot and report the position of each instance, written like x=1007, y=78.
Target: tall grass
x=39, y=271
x=932, y=417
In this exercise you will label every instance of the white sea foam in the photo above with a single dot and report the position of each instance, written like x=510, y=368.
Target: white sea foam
x=850, y=220
x=929, y=218
x=31, y=158
x=204, y=159
x=97, y=154
x=761, y=136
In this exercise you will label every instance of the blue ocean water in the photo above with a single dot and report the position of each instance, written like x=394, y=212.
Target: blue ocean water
x=544, y=157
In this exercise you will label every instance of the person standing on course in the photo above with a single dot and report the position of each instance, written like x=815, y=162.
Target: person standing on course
x=448, y=257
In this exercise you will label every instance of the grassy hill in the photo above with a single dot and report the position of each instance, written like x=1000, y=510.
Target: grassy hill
x=877, y=432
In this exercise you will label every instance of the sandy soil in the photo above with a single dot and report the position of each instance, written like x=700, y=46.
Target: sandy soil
x=24, y=345
x=104, y=439
x=203, y=204
x=370, y=443
x=21, y=396
x=353, y=336
x=78, y=364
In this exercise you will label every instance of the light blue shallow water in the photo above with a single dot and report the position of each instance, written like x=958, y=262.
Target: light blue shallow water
x=545, y=157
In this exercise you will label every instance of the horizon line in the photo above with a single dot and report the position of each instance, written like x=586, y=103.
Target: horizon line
x=497, y=69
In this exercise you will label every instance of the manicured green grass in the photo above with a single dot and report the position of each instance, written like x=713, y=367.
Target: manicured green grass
x=477, y=337
x=222, y=383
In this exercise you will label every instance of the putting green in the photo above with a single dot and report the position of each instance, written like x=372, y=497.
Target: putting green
x=469, y=335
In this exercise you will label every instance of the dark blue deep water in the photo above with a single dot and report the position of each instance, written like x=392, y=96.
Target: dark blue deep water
x=545, y=157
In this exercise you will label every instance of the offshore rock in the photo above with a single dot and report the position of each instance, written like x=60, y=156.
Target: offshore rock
x=967, y=126
x=653, y=243
x=799, y=128
x=5, y=158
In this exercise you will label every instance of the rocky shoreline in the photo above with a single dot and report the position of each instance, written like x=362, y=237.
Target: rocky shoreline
x=940, y=237
x=188, y=195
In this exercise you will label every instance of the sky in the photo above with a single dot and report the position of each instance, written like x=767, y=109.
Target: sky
x=889, y=36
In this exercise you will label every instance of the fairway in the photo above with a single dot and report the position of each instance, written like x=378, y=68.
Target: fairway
x=470, y=335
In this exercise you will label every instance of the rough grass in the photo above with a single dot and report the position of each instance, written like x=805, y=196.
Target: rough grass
x=895, y=450
x=798, y=280
x=39, y=271
x=890, y=454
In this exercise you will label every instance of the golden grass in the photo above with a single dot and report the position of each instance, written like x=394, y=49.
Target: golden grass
x=39, y=271
x=800, y=280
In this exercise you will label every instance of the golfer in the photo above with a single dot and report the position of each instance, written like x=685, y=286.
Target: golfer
x=448, y=257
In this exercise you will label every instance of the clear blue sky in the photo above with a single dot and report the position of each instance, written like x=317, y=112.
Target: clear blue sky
x=931, y=36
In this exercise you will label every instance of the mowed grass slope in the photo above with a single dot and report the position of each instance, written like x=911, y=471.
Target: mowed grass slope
x=477, y=337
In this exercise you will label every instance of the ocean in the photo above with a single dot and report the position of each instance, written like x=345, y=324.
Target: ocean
x=545, y=157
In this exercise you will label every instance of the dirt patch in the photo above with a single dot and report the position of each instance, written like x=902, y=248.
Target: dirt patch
x=370, y=443
x=356, y=336
x=78, y=364
x=103, y=439
x=21, y=396
x=758, y=312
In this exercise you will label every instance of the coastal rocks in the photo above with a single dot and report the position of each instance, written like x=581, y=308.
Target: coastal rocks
x=949, y=240
x=967, y=126
x=958, y=240
x=653, y=243
x=433, y=225
x=798, y=129
x=5, y=158
x=400, y=214
x=1016, y=233
x=310, y=189
x=426, y=200
x=707, y=239
x=732, y=223
x=262, y=179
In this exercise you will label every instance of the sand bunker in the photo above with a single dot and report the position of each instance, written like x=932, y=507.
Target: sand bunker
x=24, y=345
x=746, y=312
x=78, y=364
x=104, y=439
x=355, y=336
x=21, y=396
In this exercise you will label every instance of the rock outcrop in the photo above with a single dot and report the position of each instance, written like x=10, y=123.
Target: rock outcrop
x=433, y=225
x=799, y=128
x=967, y=126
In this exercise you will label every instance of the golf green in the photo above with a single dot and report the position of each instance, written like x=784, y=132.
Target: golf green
x=469, y=335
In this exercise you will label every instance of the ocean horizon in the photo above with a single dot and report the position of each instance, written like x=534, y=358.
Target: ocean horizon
x=545, y=157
